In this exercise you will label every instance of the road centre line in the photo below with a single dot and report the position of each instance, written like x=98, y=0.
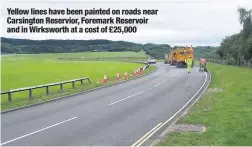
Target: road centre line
x=126, y=98
x=93, y=110
x=176, y=112
x=146, y=134
x=141, y=91
x=38, y=131
x=175, y=74
x=166, y=80
x=159, y=83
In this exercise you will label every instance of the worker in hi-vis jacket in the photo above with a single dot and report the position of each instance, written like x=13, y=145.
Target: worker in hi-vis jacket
x=189, y=64
x=203, y=64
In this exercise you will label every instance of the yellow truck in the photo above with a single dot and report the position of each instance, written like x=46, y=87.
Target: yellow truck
x=171, y=58
x=182, y=55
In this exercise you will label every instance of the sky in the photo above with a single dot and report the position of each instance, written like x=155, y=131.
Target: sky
x=178, y=22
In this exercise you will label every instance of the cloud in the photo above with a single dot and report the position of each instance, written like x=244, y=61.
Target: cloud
x=179, y=22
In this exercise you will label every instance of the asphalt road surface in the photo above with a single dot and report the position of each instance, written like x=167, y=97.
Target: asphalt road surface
x=114, y=116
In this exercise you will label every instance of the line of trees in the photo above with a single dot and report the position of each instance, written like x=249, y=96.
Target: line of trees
x=26, y=46
x=238, y=47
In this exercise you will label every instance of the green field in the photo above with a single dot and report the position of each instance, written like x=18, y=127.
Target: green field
x=29, y=70
x=227, y=114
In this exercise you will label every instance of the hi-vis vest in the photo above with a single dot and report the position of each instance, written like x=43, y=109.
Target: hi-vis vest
x=189, y=61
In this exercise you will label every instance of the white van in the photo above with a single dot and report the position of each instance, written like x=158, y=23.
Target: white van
x=151, y=60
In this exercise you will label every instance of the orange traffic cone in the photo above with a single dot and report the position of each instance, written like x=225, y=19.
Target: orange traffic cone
x=117, y=76
x=105, y=79
x=134, y=74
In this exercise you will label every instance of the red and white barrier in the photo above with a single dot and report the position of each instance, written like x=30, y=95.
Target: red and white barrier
x=105, y=79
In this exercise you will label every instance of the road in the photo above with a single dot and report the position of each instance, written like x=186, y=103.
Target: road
x=114, y=116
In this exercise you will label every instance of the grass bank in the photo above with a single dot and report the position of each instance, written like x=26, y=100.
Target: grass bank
x=227, y=114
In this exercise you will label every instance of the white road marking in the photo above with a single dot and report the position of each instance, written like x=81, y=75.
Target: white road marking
x=148, y=89
x=142, y=91
x=93, y=110
x=166, y=80
x=154, y=131
x=146, y=135
x=37, y=131
x=175, y=74
x=159, y=83
x=126, y=98
x=177, y=111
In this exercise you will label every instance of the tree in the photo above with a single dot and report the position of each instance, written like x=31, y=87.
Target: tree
x=238, y=46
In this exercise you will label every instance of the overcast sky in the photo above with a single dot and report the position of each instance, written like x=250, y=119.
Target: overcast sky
x=187, y=22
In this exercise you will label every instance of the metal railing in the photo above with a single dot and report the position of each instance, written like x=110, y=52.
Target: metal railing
x=44, y=86
x=104, y=58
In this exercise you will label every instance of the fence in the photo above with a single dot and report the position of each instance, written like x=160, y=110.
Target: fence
x=106, y=58
x=44, y=86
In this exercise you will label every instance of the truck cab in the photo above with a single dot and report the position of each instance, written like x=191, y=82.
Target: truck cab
x=182, y=56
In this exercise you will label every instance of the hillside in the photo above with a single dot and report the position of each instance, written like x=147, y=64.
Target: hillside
x=205, y=51
x=24, y=46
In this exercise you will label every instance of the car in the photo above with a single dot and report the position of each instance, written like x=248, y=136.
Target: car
x=151, y=60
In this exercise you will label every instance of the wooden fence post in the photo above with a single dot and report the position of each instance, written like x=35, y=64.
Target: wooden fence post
x=30, y=93
x=47, y=90
x=9, y=96
x=73, y=84
x=89, y=81
x=61, y=87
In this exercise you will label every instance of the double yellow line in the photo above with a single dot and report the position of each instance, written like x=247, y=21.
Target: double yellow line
x=146, y=136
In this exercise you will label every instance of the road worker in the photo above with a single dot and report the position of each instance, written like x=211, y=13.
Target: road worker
x=200, y=67
x=203, y=64
x=189, y=64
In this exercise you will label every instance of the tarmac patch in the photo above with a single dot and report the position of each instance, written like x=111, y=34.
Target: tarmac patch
x=214, y=90
x=188, y=128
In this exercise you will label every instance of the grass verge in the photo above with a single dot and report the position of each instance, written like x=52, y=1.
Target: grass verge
x=20, y=71
x=24, y=101
x=227, y=114
x=160, y=60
